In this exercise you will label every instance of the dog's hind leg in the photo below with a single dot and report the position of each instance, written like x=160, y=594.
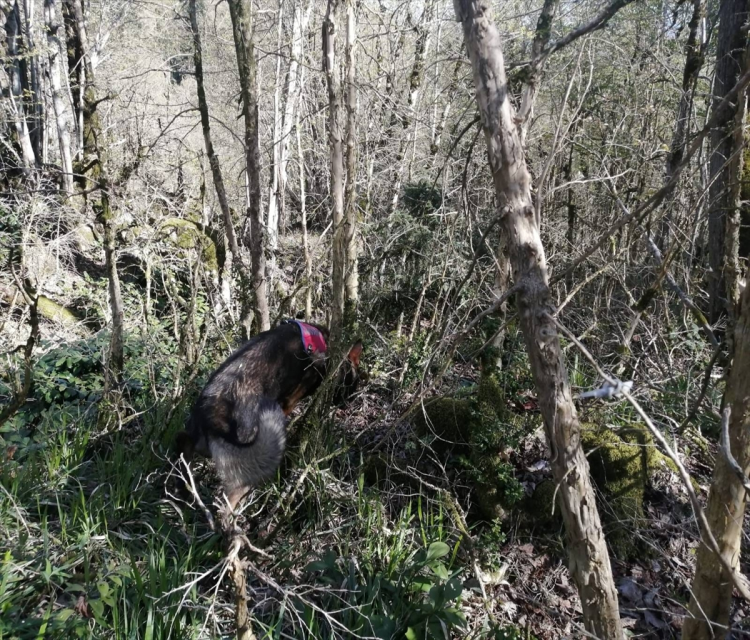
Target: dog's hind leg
x=259, y=424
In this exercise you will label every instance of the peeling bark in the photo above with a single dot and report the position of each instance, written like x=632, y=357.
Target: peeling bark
x=588, y=560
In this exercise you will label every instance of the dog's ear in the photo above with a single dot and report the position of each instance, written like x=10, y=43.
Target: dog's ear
x=355, y=353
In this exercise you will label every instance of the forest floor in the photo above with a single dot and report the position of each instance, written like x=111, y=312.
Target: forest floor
x=379, y=533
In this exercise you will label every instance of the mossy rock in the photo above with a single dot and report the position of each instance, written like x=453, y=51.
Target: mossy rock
x=541, y=508
x=450, y=419
x=55, y=312
x=491, y=394
x=186, y=235
x=621, y=465
x=478, y=425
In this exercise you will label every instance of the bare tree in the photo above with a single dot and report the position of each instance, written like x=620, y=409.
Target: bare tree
x=55, y=39
x=213, y=160
x=587, y=551
x=724, y=163
x=711, y=600
x=96, y=169
x=18, y=89
x=350, y=196
x=243, y=42
x=331, y=67
x=292, y=89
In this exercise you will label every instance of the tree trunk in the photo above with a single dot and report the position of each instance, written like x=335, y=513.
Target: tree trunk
x=350, y=196
x=34, y=99
x=272, y=222
x=536, y=67
x=730, y=49
x=240, y=11
x=339, y=256
x=712, y=588
x=415, y=84
x=292, y=90
x=75, y=68
x=587, y=551
x=305, y=239
x=59, y=102
x=691, y=71
x=96, y=160
x=16, y=70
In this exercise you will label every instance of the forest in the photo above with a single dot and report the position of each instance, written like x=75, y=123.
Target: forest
x=522, y=230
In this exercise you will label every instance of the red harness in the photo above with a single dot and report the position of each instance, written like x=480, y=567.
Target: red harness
x=312, y=339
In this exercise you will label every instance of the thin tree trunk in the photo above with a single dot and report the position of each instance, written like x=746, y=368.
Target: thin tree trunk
x=240, y=11
x=691, y=71
x=730, y=49
x=440, y=127
x=19, y=397
x=273, y=189
x=292, y=90
x=35, y=98
x=305, y=239
x=536, y=67
x=339, y=256
x=95, y=156
x=589, y=562
x=350, y=195
x=213, y=160
x=59, y=102
x=415, y=85
x=75, y=69
x=712, y=588
x=733, y=271
x=16, y=76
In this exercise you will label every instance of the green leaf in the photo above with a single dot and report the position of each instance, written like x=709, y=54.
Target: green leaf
x=440, y=571
x=103, y=588
x=453, y=589
x=64, y=614
x=437, y=550
x=97, y=608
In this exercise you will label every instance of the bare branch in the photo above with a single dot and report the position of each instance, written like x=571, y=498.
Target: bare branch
x=598, y=22
x=726, y=450
x=739, y=580
x=640, y=212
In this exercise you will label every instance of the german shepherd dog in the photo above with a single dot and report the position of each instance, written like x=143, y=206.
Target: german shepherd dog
x=239, y=418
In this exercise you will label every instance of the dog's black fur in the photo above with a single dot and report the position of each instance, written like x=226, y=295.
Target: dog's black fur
x=240, y=417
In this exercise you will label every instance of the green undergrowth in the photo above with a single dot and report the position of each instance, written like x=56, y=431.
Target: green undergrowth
x=478, y=426
x=89, y=545
x=95, y=543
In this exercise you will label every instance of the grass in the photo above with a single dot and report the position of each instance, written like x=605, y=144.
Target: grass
x=94, y=543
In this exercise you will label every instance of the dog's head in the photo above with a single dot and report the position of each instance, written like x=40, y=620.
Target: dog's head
x=349, y=374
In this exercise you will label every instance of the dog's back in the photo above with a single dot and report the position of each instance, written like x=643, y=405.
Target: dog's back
x=239, y=418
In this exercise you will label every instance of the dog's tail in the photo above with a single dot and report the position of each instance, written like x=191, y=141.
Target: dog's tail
x=257, y=424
